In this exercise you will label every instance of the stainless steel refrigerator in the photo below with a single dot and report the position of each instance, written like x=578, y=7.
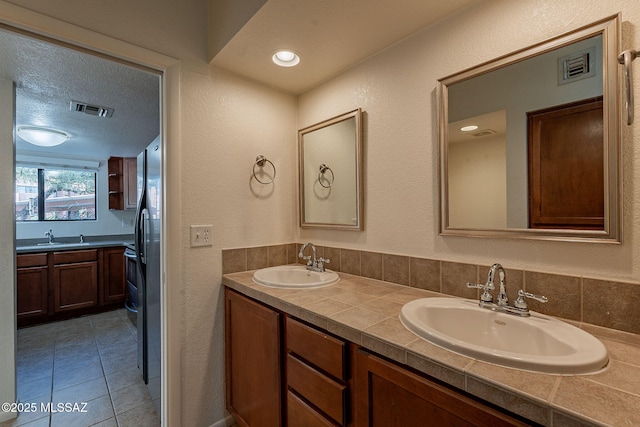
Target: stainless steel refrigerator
x=147, y=243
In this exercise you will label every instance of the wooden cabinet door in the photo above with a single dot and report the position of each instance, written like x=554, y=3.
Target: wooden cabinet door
x=391, y=396
x=75, y=286
x=253, y=362
x=32, y=296
x=113, y=276
x=130, y=184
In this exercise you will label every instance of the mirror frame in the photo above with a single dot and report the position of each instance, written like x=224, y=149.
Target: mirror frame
x=609, y=28
x=359, y=225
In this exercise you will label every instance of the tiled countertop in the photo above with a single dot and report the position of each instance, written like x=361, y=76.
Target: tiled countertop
x=365, y=312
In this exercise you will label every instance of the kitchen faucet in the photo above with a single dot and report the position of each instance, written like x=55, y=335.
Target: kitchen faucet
x=313, y=263
x=519, y=307
x=49, y=234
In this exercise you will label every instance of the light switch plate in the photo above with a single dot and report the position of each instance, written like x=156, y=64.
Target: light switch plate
x=201, y=235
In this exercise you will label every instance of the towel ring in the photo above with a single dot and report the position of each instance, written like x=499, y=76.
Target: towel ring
x=322, y=177
x=260, y=162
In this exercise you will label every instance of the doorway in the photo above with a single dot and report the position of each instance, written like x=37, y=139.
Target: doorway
x=87, y=54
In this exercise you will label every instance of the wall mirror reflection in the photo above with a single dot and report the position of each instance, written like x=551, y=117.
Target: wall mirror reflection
x=529, y=143
x=330, y=173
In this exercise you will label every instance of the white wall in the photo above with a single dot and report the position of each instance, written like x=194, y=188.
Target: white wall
x=396, y=89
x=7, y=258
x=108, y=222
x=478, y=183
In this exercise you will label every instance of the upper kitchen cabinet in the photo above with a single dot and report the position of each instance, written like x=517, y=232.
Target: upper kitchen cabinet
x=122, y=183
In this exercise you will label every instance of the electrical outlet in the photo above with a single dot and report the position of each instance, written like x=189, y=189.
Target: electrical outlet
x=201, y=235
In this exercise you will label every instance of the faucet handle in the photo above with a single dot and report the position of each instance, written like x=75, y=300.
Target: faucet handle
x=486, y=295
x=521, y=303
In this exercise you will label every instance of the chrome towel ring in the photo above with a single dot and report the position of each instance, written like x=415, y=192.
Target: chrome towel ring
x=322, y=176
x=260, y=162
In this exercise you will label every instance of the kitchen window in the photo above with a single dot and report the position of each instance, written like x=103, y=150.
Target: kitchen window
x=55, y=194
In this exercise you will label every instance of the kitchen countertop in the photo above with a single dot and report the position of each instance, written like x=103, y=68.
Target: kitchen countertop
x=365, y=312
x=64, y=244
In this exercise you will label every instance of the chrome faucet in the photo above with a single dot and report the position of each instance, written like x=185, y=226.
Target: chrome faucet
x=503, y=299
x=519, y=307
x=313, y=262
x=49, y=234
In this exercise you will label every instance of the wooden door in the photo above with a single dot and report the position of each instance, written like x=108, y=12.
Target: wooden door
x=75, y=286
x=113, y=275
x=566, y=166
x=253, y=362
x=32, y=291
x=388, y=395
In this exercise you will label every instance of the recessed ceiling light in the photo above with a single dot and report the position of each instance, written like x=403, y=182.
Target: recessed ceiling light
x=43, y=137
x=468, y=128
x=286, y=58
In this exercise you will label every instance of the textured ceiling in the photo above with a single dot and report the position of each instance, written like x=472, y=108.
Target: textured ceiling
x=48, y=77
x=329, y=35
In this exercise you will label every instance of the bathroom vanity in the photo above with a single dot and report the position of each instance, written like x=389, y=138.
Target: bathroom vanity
x=273, y=335
x=281, y=368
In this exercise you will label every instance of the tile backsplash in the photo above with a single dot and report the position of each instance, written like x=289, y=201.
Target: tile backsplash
x=599, y=302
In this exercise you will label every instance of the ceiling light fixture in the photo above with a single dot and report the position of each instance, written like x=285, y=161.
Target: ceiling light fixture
x=43, y=137
x=286, y=58
x=468, y=128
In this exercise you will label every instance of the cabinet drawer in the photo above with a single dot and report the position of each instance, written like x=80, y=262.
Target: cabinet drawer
x=75, y=256
x=326, y=394
x=31, y=260
x=301, y=414
x=317, y=348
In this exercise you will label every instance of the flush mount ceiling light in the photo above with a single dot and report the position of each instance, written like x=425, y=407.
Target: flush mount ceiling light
x=43, y=137
x=286, y=58
x=468, y=128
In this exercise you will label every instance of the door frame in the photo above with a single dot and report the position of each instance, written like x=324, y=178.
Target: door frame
x=33, y=24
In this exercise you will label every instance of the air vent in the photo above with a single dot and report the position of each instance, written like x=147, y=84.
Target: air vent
x=484, y=132
x=92, y=110
x=576, y=66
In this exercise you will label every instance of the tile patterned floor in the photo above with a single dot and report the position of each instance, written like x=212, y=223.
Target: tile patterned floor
x=92, y=360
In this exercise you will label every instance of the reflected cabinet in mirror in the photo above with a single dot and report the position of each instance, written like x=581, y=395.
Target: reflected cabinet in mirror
x=330, y=173
x=529, y=143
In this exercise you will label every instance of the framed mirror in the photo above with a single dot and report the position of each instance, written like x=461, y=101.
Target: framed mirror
x=330, y=169
x=529, y=143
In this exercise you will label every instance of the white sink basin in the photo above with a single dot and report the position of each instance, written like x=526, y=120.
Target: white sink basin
x=294, y=276
x=536, y=343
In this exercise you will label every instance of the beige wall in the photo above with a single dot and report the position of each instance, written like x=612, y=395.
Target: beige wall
x=396, y=89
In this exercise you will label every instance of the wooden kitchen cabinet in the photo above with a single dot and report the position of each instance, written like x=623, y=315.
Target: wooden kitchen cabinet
x=122, y=173
x=113, y=289
x=75, y=279
x=32, y=287
x=392, y=396
x=253, y=358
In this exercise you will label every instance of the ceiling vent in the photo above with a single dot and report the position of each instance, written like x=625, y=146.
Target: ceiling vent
x=92, y=110
x=484, y=132
x=576, y=66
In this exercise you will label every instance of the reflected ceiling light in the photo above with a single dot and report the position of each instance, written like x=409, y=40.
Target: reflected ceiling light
x=468, y=128
x=286, y=58
x=43, y=137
